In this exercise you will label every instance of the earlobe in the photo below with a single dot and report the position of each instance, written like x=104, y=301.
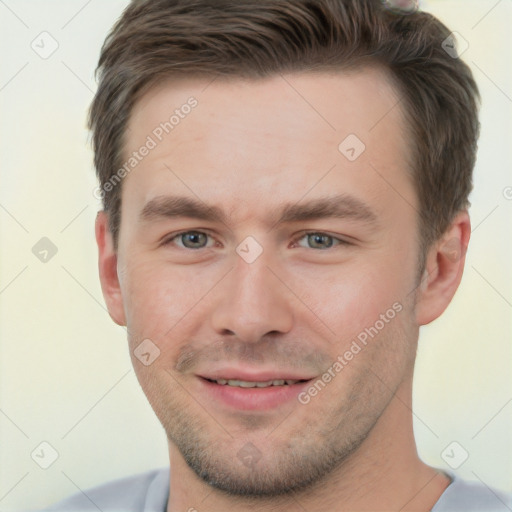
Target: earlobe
x=443, y=270
x=107, y=266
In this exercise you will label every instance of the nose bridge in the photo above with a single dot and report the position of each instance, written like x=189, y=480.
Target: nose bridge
x=251, y=302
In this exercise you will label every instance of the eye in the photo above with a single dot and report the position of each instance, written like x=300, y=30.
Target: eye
x=200, y=240
x=317, y=240
x=189, y=240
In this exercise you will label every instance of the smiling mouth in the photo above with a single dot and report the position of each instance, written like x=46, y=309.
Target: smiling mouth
x=255, y=384
x=253, y=395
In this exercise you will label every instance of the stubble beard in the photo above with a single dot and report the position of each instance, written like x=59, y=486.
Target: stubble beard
x=294, y=458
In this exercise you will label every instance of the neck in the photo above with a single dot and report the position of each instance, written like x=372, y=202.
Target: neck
x=384, y=473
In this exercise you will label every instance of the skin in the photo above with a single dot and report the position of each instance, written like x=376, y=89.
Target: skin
x=249, y=147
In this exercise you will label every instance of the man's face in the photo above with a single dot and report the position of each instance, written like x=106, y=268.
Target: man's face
x=312, y=252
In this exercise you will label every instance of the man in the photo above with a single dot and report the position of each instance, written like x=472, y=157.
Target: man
x=285, y=190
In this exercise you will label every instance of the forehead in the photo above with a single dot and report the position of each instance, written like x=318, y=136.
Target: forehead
x=250, y=143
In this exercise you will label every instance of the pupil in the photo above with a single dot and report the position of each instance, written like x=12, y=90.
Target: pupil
x=322, y=241
x=193, y=240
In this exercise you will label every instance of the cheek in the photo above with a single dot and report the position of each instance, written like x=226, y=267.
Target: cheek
x=146, y=298
x=159, y=296
x=352, y=297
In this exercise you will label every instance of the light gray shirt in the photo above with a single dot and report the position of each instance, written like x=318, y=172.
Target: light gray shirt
x=149, y=492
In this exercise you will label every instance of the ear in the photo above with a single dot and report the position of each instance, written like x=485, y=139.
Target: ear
x=107, y=265
x=443, y=270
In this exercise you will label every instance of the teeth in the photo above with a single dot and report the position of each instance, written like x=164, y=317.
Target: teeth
x=250, y=384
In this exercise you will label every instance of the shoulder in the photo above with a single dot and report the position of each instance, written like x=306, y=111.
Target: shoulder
x=146, y=492
x=462, y=495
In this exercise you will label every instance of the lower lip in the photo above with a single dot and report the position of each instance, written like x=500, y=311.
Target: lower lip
x=253, y=399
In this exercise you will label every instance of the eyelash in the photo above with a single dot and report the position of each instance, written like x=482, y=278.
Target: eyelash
x=339, y=241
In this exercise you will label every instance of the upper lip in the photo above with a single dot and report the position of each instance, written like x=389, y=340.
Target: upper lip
x=254, y=375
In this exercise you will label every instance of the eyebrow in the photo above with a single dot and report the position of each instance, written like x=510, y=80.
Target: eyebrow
x=339, y=206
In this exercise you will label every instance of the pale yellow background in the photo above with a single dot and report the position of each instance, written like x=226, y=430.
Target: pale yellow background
x=62, y=358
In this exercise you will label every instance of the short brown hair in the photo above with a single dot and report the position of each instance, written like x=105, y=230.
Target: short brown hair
x=158, y=39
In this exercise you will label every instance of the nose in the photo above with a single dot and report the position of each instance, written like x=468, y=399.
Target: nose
x=252, y=303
